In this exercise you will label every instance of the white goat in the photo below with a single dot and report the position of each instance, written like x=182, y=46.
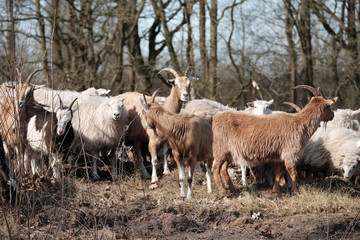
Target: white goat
x=99, y=127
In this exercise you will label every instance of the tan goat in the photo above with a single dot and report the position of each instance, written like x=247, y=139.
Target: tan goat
x=189, y=137
x=138, y=134
x=278, y=137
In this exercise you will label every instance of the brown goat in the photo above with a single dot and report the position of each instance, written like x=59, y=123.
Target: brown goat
x=10, y=104
x=278, y=137
x=189, y=137
x=138, y=134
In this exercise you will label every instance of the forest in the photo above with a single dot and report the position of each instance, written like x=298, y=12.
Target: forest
x=240, y=50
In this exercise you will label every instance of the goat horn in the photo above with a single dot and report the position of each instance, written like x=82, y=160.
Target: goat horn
x=61, y=103
x=70, y=106
x=32, y=75
x=311, y=89
x=297, y=108
x=170, y=70
x=187, y=70
x=19, y=74
x=153, y=95
x=320, y=92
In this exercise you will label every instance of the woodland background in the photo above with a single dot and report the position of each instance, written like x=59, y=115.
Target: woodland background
x=241, y=50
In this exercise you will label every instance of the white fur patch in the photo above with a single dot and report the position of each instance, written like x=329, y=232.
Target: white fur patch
x=36, y=138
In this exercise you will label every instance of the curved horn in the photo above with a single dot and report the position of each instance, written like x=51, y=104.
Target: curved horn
x=297, y=108
x=153, y=95
x=311, y=89
x=32, y=75
x=170, y=70
x=320, y=92
x=187, y=70
x=61, y=103
x=70, y=106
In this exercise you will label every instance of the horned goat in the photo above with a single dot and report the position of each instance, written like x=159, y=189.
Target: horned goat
x=139, y=135
x=189, y=137
x=201, y=106
x=99, y=126
x=255, y=139
x=11, y=103
x=46, y=133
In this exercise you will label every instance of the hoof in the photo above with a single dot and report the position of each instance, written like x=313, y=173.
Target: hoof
x=166, y=172
x=153, y=186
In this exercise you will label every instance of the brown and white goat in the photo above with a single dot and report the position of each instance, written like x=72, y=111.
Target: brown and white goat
x=11, y=102
x=189, y=137
x=138, y=134
x=278, y=137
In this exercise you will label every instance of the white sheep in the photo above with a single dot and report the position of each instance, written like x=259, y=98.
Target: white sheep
x=332, y=150
x=346, y=118
x=99, y=127
x=47, y=96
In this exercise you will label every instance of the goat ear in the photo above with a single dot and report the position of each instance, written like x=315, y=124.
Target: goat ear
x=271, y=101
x=332, y=101
x=193, y=79
x=250, y=104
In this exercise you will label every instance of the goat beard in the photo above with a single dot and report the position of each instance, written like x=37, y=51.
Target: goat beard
x=325, y=124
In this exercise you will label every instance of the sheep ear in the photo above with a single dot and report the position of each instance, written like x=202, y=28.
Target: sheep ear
x=250, y=104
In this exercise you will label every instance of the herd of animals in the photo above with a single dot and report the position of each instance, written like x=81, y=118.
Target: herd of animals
x=40, y=123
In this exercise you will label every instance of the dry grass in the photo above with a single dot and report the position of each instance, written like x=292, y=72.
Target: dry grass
x=78, y=207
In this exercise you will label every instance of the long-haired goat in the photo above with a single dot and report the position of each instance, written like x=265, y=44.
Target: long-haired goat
x=201, y=106
x=138, y=133
x=99, y=126
x=11, y=103
x=278, y=137
x=189, y=137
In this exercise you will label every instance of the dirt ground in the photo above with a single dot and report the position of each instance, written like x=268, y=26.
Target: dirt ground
x=81, y=209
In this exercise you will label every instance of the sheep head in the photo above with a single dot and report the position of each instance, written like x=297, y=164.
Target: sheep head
x=180, y=83
x=260, y=107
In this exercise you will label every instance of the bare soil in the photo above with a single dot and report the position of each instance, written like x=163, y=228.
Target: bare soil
x=78, y=208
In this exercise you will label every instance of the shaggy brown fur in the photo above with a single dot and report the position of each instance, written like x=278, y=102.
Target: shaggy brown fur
x=277, y=137
x=189, y=137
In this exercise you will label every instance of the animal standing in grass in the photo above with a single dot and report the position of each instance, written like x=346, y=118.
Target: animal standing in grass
x=189, y=137
x=276, y=137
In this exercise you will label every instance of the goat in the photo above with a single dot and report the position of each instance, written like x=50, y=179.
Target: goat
x=200, y=106
x=138, y=133
x=334, y=148
x=189, y=137
x=11, y=103
x=255, y=139
x=46, y=132
x=99, y=126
